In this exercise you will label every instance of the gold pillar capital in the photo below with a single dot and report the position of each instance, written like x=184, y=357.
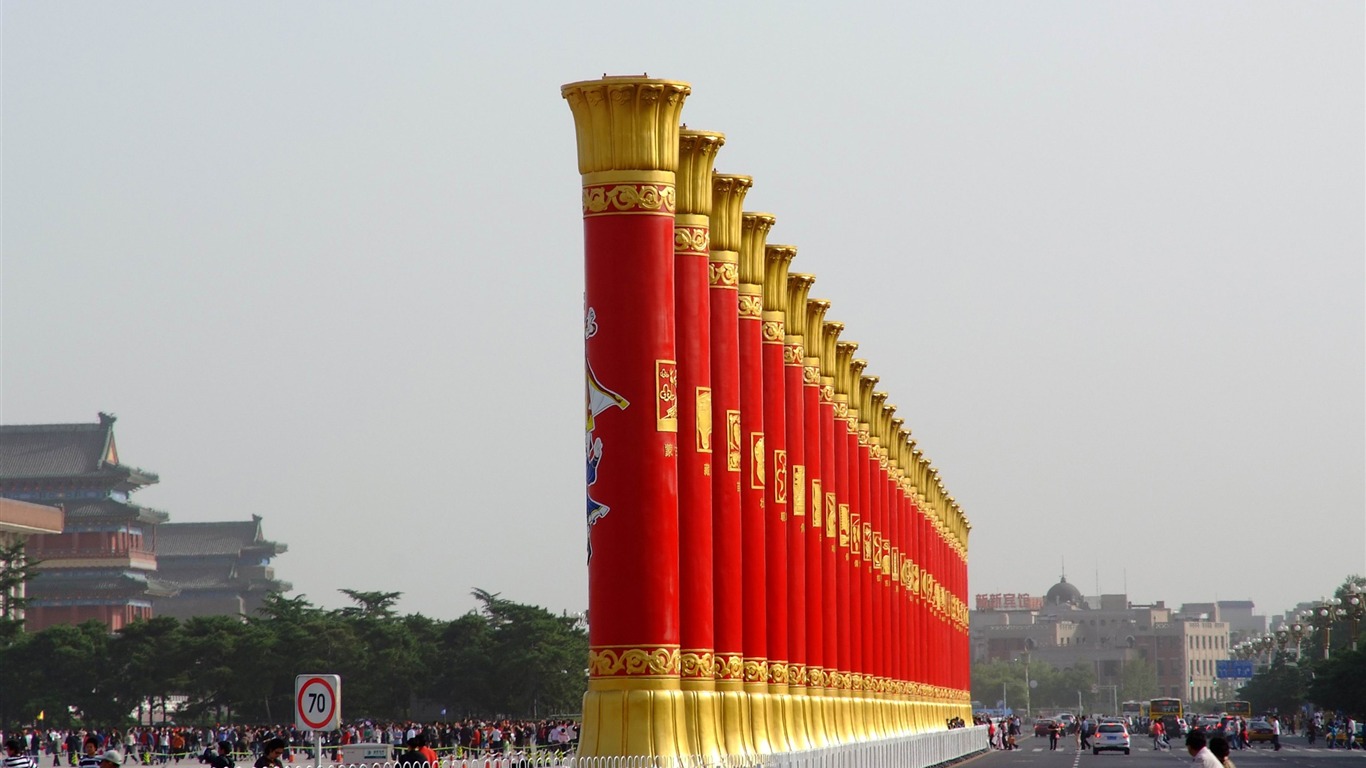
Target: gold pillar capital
x=815, y=342
x=895, y=444
x=830, y=340
x=798, y=286
x=777, y=259
x=754, y=229
x=865, y=384
x=728, y=192
x=696, y=156
x=626, y=123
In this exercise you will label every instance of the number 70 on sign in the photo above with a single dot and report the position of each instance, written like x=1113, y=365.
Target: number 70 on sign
x=317, y=702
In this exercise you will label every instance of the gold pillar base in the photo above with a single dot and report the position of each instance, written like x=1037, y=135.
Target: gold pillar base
x=735, y=732
x=823, y=719
x=757, y=706
x=868, y=712
x=798, y=707
x=633, y=717
x=779, y=718
x=700, y=709
x=844, y=716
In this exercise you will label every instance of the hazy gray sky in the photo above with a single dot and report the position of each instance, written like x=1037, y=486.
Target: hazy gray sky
x=324, y=260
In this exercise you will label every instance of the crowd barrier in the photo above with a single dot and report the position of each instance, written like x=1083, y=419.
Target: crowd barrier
x=925, y=750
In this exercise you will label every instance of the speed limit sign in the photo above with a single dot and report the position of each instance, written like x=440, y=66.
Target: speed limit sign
x=317, y=702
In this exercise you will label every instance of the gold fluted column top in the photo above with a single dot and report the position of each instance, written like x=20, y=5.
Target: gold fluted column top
x=856, y=366
x=728, y=192
x=844, y=368
x=815, y=329
x=798, y=286
x=626, y=123
x=777, y=259
x=866, y=382
x=892, y=433
x=754, y=229
x=878, y=418
x=829, y=344
x=696, y=156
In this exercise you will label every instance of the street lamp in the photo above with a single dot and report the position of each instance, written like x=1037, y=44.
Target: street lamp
x=1353, y=608
x=1321, y=618
x=1026, y=671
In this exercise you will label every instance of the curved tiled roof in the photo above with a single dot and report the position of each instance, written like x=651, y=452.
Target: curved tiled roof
x=202, y=539
x=36, y=451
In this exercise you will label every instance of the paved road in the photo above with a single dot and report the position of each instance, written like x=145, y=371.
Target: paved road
x=1295, y=753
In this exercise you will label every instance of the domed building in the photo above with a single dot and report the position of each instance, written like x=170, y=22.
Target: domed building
x=1107, y=633
x=1062, y=593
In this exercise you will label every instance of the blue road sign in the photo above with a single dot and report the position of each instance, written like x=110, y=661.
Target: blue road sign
x=1233, y=668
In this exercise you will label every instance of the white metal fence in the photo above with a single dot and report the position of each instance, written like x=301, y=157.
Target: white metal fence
x=920, y=751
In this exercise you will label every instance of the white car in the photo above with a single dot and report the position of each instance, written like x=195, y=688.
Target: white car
x=1110, y=735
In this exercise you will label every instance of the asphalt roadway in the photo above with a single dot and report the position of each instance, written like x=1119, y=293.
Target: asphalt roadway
x=1034, y=753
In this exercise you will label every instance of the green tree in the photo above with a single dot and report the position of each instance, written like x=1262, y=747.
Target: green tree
x=16, y=571
x=1340, y=682
x=1282, y=687
x=538, y=658
x=145, y=665
x=1139, y=681
x=996, y=679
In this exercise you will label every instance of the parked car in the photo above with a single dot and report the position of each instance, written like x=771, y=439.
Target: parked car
x=1110, y=736
x=1041, y=726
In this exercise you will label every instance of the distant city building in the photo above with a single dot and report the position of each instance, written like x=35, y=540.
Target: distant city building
x=20, y=520
x=1068, y=629
x=217, y=569
x=1242, y=622
x=103, y=564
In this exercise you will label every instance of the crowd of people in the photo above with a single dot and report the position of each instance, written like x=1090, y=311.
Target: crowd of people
x=1333, y=727
x=265, y=746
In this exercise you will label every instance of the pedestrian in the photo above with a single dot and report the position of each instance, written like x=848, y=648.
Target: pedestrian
x=271, y=753
x=411, y=757
x=1053, y=728
x=1218, y=746
x=1159, y=735
x=221, y=759
x=15, y=757
x=991, y=733
x=1275, y=733
x=111, y=759
x=1199, y=751
x=1084, y=733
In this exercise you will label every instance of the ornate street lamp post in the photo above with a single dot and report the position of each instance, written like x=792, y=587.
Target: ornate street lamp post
x=1321, y=617
x=1353, y=609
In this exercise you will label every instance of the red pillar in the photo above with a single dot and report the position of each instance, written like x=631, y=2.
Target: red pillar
x=728, y=195
x=836, y=725
x=821, y=718
x=627, y=132
x=696, y=452
x=777, y=258
x=754, y=231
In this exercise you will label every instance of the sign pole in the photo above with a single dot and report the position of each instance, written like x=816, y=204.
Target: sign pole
x=318, y=747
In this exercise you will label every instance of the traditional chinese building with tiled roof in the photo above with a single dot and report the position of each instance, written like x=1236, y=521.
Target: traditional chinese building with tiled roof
x=217, y=569
x=103, y=565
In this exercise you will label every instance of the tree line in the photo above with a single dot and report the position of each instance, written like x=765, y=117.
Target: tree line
x=502, y=659
x=1334, y=681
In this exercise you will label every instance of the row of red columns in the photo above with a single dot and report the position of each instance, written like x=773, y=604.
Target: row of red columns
x=773, y=564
